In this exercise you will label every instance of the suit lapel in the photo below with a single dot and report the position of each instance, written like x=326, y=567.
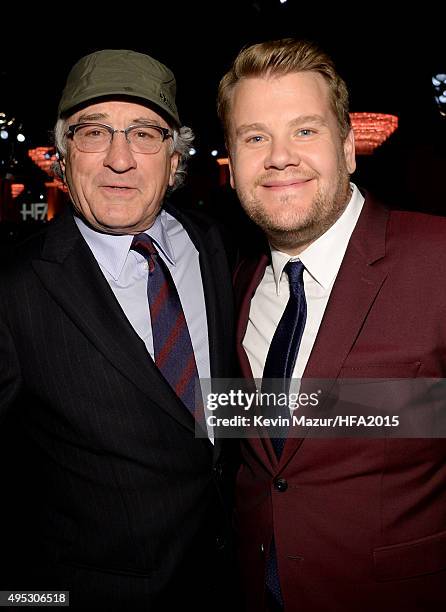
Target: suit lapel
x=246, y=280
x=357, y=286
x=217, y=291
x=212, y=265
x=72, y=276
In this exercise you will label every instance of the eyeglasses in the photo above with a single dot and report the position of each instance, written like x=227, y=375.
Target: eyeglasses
x=97, y=137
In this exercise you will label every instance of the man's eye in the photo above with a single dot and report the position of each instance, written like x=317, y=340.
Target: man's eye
x=255, y=139
x=94, y=133
x=305, y=132
x=145, y=134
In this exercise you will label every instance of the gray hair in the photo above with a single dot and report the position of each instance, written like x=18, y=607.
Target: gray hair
x=181, y=143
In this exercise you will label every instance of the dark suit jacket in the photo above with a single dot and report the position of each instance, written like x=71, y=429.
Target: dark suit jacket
x=113, y=497
x=362, y=523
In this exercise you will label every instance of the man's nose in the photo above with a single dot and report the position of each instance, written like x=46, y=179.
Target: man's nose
x=282, y=153
x=119, y=156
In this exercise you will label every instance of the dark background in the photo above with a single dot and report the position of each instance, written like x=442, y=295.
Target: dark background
x=387, y=56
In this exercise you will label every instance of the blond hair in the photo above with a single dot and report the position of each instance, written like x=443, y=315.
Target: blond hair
x=281, y=57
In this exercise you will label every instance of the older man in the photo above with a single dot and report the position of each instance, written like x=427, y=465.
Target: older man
x=346, y=289
x=108, y=317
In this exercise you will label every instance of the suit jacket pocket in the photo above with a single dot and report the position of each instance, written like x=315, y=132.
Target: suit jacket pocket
x=409, y=559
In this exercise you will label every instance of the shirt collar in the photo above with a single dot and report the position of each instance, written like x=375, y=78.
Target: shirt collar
x=323, y=257
x=159, y=233
x=111, y=251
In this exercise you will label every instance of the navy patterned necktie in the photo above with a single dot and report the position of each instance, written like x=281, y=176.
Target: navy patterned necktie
x=279, y=364
x=284, y=347
x=174, y=355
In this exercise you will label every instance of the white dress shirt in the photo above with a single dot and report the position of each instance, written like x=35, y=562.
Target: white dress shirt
x=322, y=260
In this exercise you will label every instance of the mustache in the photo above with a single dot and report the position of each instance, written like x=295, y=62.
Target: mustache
x=274, y=175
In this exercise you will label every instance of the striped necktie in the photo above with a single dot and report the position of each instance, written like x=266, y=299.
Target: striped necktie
x=174, y=355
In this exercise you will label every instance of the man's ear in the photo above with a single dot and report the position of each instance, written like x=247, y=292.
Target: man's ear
x=231, y=175
x=62, y=168
x=174, y=161
x=349, y=152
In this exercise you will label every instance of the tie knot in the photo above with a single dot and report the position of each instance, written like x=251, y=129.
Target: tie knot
x=142, y=244
x=295, y=271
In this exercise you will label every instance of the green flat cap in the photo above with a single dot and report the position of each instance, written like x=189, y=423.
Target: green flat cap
x=120, y=72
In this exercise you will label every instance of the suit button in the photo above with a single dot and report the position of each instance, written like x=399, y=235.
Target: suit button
x=280, y=484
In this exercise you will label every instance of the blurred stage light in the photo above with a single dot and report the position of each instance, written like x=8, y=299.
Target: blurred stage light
x=439, y=83
x=371, y=130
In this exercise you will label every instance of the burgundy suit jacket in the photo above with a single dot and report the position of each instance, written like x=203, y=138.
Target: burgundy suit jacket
x=360, y=524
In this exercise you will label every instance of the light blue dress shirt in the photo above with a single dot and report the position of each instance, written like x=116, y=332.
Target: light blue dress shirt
x=126, y=272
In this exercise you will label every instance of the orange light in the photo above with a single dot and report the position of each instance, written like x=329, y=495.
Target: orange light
x=56, y=182
x=371, y=130
x=222, y=161
x=16, y=189
x=39, y=155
